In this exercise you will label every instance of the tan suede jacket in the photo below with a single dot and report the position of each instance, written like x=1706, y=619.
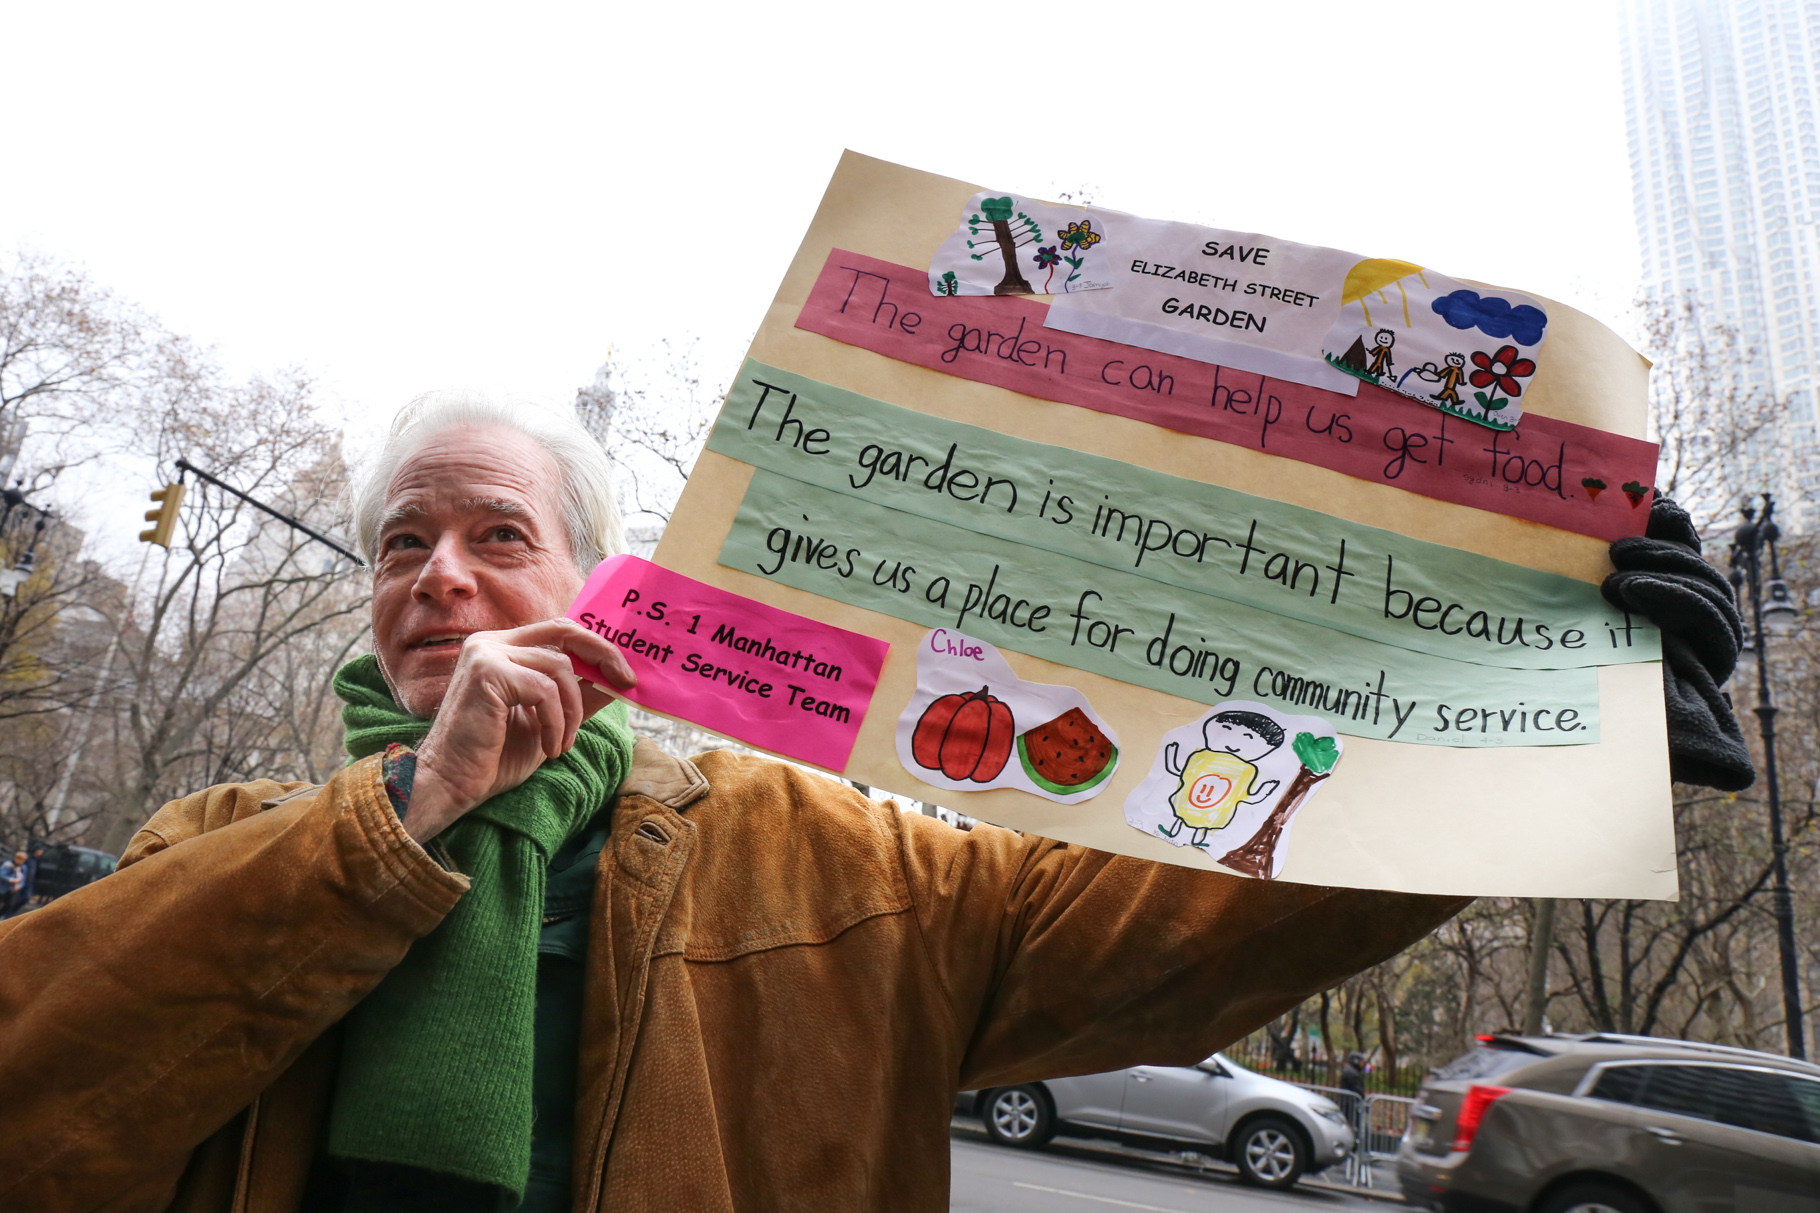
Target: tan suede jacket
x=786, y=985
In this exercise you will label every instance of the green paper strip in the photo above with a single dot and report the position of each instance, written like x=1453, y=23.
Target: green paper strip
x=1140, y=631
x=1201, y=537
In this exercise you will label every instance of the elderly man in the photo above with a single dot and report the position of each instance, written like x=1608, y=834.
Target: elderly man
x=508, y=958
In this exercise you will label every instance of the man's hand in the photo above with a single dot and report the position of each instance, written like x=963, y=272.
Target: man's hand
x=512, y=702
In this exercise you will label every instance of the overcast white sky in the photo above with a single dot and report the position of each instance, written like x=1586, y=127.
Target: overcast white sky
x=399, y=197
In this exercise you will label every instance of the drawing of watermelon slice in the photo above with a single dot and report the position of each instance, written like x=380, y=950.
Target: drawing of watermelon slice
x=1067, y=755
x=1593, y=486
x=1635, y=490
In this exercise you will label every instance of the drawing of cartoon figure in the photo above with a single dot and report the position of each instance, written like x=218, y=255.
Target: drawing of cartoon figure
x=1451, y=378
x=1222, y=775
x=1380, y=353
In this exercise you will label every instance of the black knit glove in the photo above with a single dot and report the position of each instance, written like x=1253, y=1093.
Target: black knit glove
x=1663, y=578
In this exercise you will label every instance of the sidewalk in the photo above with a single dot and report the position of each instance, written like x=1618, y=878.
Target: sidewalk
x=1383, y=1181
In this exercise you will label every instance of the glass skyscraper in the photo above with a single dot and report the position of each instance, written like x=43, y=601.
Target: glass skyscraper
x=1720, y=109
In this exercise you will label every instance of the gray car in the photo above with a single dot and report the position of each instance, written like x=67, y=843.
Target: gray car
x=1273, y=1131
x=1614, y=1124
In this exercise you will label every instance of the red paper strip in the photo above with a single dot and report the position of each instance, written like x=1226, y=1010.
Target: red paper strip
x=734, y=665
x=1539, y=471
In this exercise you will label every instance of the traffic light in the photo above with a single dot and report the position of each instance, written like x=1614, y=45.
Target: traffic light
x=165, y=516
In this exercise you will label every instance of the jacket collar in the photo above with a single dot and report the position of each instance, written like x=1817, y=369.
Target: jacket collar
x=675, y=783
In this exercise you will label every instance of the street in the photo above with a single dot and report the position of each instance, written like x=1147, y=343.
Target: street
x=1076, y=1177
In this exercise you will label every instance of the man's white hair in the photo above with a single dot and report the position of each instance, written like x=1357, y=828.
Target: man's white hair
x=590, y=513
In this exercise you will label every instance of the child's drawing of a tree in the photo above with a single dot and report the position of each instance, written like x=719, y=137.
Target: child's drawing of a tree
x=1011, y=229
x=1258, y=857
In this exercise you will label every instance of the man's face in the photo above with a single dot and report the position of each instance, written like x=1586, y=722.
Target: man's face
x=471, y=540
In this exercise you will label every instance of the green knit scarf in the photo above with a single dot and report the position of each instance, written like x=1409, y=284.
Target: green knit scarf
x=436, y=1061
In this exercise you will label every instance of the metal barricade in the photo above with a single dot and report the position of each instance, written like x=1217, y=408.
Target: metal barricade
x=1378, y=1128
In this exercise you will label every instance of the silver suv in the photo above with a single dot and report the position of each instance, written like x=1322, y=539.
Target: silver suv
x=1273, y=1131
x=1614, y=1124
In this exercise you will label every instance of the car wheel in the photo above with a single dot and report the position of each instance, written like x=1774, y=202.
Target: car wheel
x=1593, y=1198
x=1269, y=1153
x=1019, y=1116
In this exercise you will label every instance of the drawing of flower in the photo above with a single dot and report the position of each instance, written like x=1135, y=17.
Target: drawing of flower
x=1047, y=259
x=1076, y=240
x=1501, y=368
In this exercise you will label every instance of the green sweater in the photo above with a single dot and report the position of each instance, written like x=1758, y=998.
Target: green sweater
x=562, y=957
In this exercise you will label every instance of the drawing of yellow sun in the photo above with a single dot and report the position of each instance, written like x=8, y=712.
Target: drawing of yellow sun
x=1372, y=276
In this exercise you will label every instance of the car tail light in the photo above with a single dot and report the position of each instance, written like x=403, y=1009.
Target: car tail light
x=1472, y=1113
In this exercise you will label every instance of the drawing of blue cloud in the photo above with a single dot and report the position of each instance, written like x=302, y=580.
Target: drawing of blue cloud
x=1493, y=316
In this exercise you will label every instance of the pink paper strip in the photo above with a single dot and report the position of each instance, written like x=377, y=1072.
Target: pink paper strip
x=775, y=680
x=1535, y=472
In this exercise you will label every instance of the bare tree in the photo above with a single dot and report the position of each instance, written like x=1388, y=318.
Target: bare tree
x=652, y=412
x=248, y=618
x=220, y=667
x=52, y=678
x=73, y=358
x=41, y=558
x=74, y=361
x=1723, y=432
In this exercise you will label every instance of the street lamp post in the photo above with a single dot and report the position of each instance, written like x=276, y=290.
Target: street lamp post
x=1753, y=536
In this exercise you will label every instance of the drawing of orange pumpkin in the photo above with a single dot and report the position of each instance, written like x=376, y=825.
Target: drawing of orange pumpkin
x=965, y=736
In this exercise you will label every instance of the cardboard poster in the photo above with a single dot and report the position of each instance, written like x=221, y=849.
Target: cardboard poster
x=883, y=466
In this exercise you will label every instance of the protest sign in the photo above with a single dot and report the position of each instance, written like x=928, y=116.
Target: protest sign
x=1146, y=601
